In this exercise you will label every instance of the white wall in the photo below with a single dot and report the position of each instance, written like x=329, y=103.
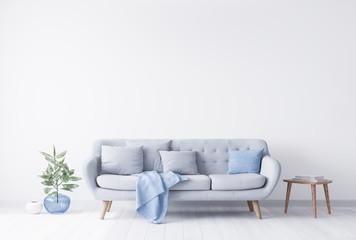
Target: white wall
x=74, y=71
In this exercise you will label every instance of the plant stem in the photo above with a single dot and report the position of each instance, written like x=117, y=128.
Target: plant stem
x=57, y=189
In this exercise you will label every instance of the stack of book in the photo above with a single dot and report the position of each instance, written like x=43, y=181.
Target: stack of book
x=309, y=178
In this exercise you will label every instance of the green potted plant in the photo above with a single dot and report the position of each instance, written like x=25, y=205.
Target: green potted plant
x=56, y=177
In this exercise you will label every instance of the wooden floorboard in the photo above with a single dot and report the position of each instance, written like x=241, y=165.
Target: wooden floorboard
x=184, y=221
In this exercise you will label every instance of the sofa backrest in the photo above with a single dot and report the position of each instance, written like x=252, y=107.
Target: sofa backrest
x=212, y=154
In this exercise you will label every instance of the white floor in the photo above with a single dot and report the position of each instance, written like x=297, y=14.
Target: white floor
x=185, y=220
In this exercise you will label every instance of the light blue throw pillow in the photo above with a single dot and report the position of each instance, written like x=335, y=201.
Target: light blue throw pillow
x=245, y=161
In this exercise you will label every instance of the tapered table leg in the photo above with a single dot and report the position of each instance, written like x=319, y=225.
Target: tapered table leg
x=313, y=189
x=289, y=187
x=313, y=184
x=326, y=191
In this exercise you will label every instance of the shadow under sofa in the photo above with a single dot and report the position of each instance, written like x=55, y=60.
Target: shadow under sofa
x=211, y=184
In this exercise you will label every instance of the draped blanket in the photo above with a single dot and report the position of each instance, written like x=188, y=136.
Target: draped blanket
x=152, y=192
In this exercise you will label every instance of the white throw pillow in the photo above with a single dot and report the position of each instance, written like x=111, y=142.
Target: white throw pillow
x=121, y=160
x=151, y=157
x=181, y=162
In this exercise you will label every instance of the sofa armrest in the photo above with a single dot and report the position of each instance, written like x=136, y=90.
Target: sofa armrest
x=271, y=169
x=91, y=172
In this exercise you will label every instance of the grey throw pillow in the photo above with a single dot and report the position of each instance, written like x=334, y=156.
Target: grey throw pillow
x=121, y=160
x=181, y=162
x=151, y=157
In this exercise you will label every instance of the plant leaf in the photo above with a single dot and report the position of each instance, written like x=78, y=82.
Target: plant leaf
x=54, y=152
x=50, y=160
x=49, y=170
x=62, y=154
x=47, y=190
x=70, y=186
x=56, y=175
x=65, y=177
x=44, y=176
x=65, y=166
x=72, y=178
x=46, y=155
x=54, y=193
x=47, y=183
x=67, y=189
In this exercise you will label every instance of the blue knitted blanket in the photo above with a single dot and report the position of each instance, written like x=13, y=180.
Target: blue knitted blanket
x=152, y=192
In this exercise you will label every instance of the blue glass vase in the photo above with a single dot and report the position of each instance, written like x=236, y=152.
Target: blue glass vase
x=56, y=205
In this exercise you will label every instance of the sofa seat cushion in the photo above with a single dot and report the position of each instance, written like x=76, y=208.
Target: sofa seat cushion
x=117, y=182
x=128, y=182
x=194, y=182
x=236, y=181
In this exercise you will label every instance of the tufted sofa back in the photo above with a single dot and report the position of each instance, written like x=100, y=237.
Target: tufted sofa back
x=212, y=154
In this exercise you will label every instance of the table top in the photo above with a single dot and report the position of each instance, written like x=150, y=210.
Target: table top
x=325, y=181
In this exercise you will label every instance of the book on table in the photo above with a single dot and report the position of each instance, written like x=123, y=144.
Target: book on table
x=309, y=178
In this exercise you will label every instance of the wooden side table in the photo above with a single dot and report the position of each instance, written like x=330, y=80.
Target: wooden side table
x=313, y=190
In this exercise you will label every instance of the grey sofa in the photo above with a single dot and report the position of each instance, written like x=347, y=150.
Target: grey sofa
x=212, y=184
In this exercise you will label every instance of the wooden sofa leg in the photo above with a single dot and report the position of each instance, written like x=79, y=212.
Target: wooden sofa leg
x=256, y=207
x=104, y=209
x=250, y=205
x=109, y=207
